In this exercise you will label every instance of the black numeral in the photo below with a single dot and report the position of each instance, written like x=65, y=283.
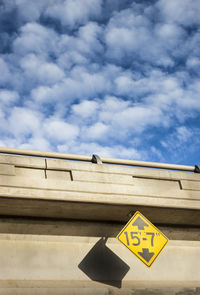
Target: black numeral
x=127, y=239
x=152, y=237
x=134, y=238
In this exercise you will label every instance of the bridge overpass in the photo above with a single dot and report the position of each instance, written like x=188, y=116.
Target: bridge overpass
x=60, y=214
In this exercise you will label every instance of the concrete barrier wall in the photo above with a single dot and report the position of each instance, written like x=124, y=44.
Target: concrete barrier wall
x=103, y=192
x=75, y=263
x=58, y=220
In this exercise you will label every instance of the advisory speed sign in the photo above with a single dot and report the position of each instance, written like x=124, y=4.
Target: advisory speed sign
x=142, y=238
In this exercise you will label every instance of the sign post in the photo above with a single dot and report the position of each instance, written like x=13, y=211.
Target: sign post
x=142, y=238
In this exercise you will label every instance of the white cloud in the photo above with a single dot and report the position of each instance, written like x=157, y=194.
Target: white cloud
x=24, y=122
x=182, y=144
x=138, y=118
x=193, y=63
x=185, y=13
x=74, y=12
x=88, y=37
x=183, y=134
x=172, y=33
x=130, y=37
x=69, y=58
x=41, y=71
x=5, y=72
x=118, y=151
x=79, y=48
x=35, y=143
x=81, y=84
x=8, y=97
x=97, y=131
x=58, y=131
x=41, y=94
x=121, y=41
x=114, y=104
x=35, y=38
x=116, y=118
x=125, y=85
x=85, y=109
x=30, y=11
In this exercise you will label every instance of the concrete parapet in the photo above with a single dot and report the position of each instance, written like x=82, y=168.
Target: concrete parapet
x=70, y=189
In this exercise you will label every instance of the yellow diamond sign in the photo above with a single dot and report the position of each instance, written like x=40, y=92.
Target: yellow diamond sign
x=142, y=238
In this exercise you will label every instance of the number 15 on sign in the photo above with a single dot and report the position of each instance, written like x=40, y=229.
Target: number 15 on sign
x=142, y=238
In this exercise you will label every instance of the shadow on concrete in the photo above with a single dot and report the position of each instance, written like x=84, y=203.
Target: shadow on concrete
x=104, y=266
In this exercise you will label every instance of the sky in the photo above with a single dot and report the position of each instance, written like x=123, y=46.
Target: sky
x=109, y=77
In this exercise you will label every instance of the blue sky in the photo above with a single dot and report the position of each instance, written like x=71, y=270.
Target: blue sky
x=116, y=78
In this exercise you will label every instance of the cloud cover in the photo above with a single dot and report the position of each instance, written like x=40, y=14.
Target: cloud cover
x=116, y=78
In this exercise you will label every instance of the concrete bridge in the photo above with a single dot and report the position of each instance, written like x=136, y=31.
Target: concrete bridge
x=60, y=214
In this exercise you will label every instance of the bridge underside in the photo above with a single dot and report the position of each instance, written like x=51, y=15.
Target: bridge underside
x=59, y=219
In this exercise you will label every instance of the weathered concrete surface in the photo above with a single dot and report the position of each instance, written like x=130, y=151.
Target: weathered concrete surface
x=30, y=226
x=66, y=262
x=70, y=189
x=55, y=215
x=102, y=291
